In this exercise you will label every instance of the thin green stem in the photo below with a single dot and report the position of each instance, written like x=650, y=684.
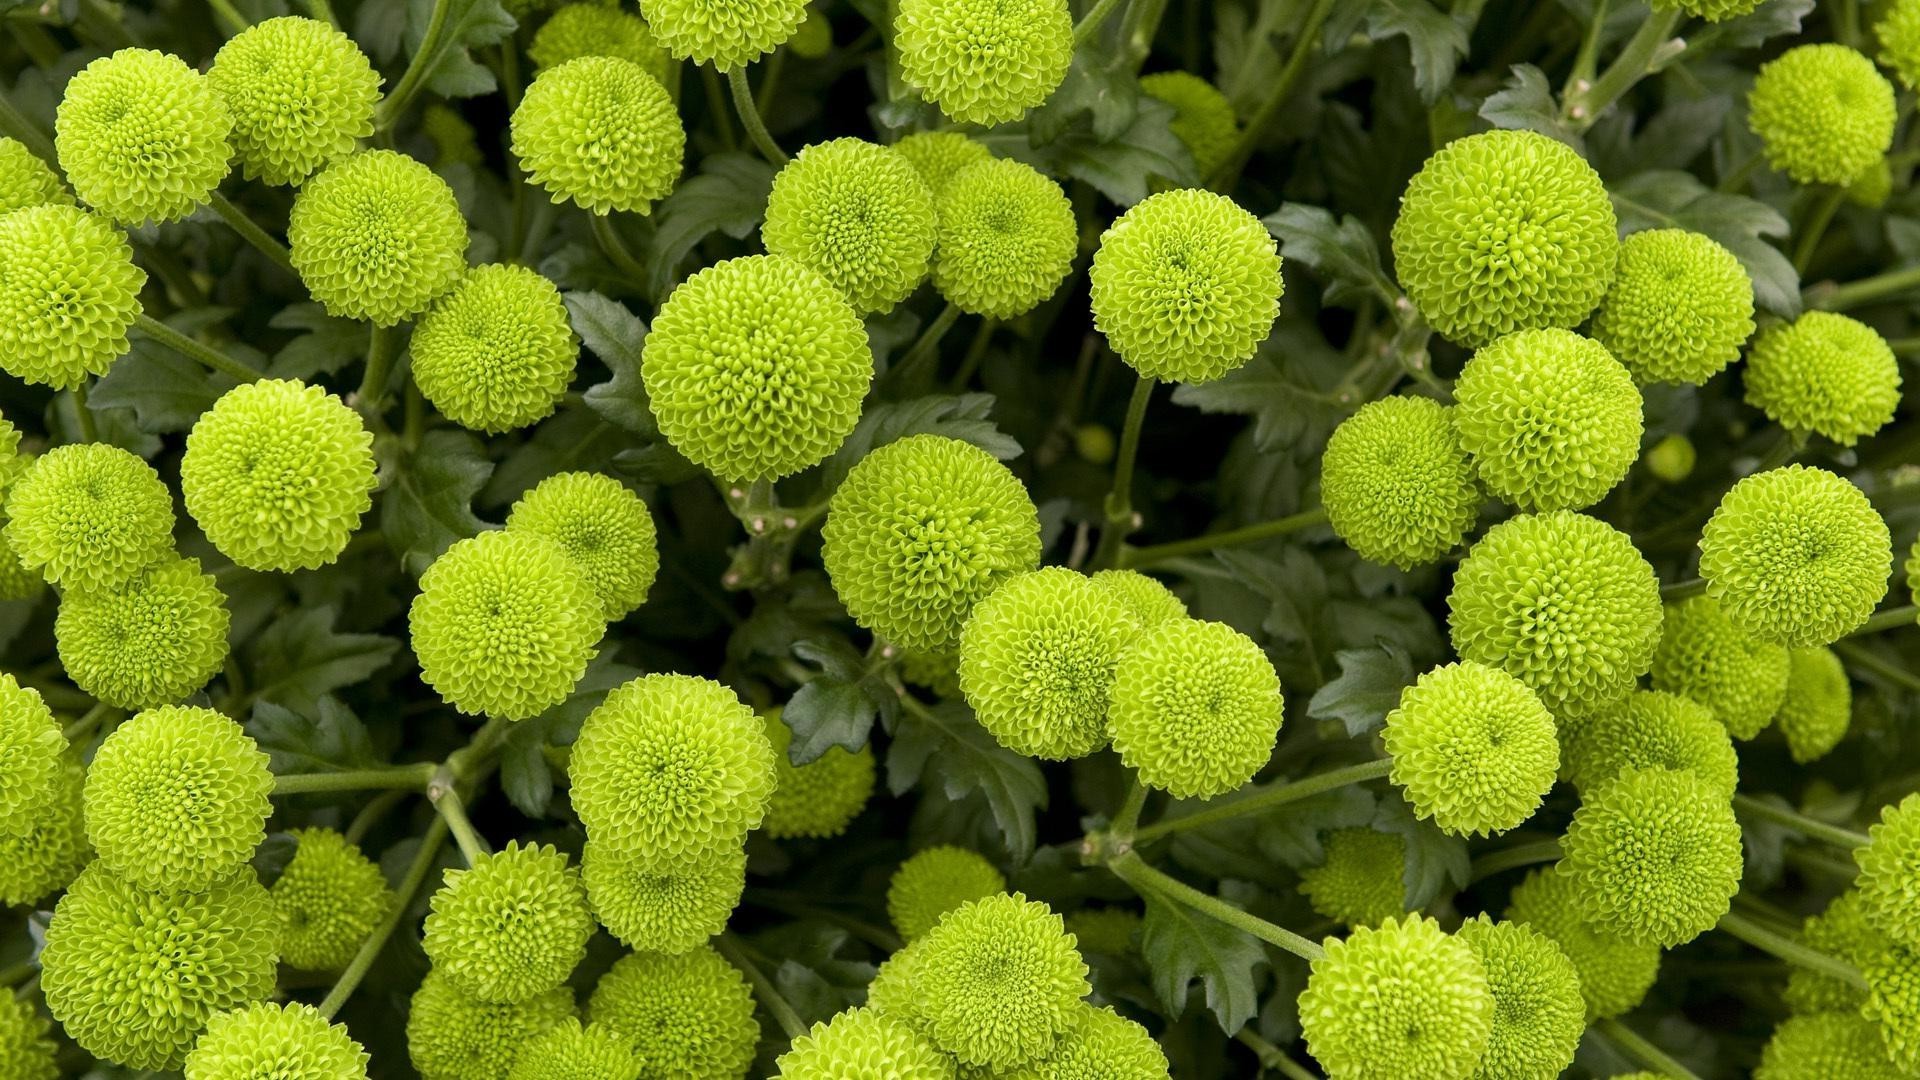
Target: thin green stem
x=83, y=413
x=976, y=352
x=1681, y=590
x=253, y=233
x=1272, y=1057
x=763, y=988
x=362, y=962
x=912, y=370
x=1636, y=59
x=381, y=346
x=88, y=721
x=1120, y=516
x=1148, y=881
x=370, y=814
x=1635, y=1046
x=18, y=972
x=615, y=249
x=1127, y=820
x=1893, y=618
x=1142, y=25
x=224, y=11
x=1304, y=45
x=1855, y=294
x=750, y=117
x=1587, y=62
x=206, y=354
x=1248, y=534
x=323, y=10
x=1861, y=658
x=15, y=123
x=400, y=777
x=1512, y=858
x=1090, y=23
x=1819, y=216
x=424, y=59
x=36, y=43
x=1845, y=839
x=1267, y=800
x=1846, y=22
x=1737, y=178
x=448, y=804
x=1776, y=944
x=717, y=105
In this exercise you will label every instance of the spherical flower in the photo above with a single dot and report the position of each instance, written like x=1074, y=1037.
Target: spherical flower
x=576, y=30
x=512, y=926
x=1889, y=867
x=1397, y=485
x=497, y=352
x=1845, y=930
x=89, y=516
x=1615, y=973
x=452, y=137
x=890, y=993
x=998, y=980
x=856, y=213
x=68, y=292
x=285, y=1042
x=1656, y=853
x=1504, y=231
x=984, y=61
x=1898, y=32
x=727, y=36
x=1538, y=1014
x=154, y=639
x=1145, y=599
x=52, y=851
x=1893, y=1002
x=142, y=136
x=601, y=132
x=1401, y=1000
x=1203, y=119
x=862, y=1042
x=603, y=527
x=452, y=1035
x=1105, y=930
x=755, y=368
x=31, y=747
x=134, y=976
x=1824, y=374
x=1359, y=882
x=687, y=1015
x=920, y=531
x=1705, y=657
x=1195, y=708
x=301, y=93
x=663, y=904
x=1818, y=705
x=377, y=236
x=818, y=799
x=328, y=899
x=1710, y=10
x=1561, y=601
x=27, y=1048
x=1099, y=1044
x=1823, y=114
x=16, y=581
x=1007, y=239
x=1826, y=1045
x=1186, y=286
x=1473, y=748
x=671, y=765
x=1679, y=310
x=25, y=180
x=934, y=882
x=176, y=798
x=1650, y=729
x=940, y=155
x=504, y=625
x=569, y=1051
x=1796, y=555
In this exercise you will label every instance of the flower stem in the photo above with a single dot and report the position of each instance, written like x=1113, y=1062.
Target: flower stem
x=1305, y=43
x=910, y=372
x=615, y=249
x=1637, y=1047
x=447, y=803
x=415, y=76
x=1120, y=517
x=371, y=813
x=1845, y=839
x=1779, y=945
x=763, y=988
x=206, y=354
x=88, y=721
x=1148, y=881
x=1267, y=800
x=750, y=117
x=17, y=973
x=1681, y=590
x=1090, y=23
x=228, y=14
x=1272, y=1057
x=15, y=123
x=1861, y=658
x=1636, y=59
x=717, y=105
x=83, y=413
x=1893, y=618
x=1127, y=820
x=1854, y=294
x=323, y=10
x=1249, y=534
x=252, y=233
x=1511, y=858
x=373, y=382
x=363, y=960
x=400, y=777
x=1819, y=216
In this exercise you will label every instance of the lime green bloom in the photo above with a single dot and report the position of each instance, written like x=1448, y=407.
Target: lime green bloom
x=1898, y=32
x=25, y=180
x=377, y=236
x=497, y=352
x=984, y=61
x=68, y=293
x=27, y=1048
x=1615, y=973
x=1705, y=657
x=1360, y=880
x=1824, y=374
x=301, y=94
x=1538, y=1014
x=1845, y=929
x=603, y=527
x=1401, y=1000
x=89, y=516
x=999, y=979
x=1656, y=854
x=31, y=748
x=1826, y=1045
x=154, y=639
x=1823, y=114
x=862, y=1042
x=142, y=137
x=1397, y=485
x=1099, y=1044
x=511, y=927
x=576, y=30
x=600, y=132
x=687, y=1015
x=665, y=904
x=1679, y=309
x=1007, y=239
x=727, y=36
x=329, y=898
x=1203, y=119
x=1195, y=708
x=569, y=1051
x=820, y=798
x=1650, y=729
x=285, y=1042
x=1888, y=868
x=1473, y=748
x=859, y=215
x=53, y=849
x=1145, y=599
x=452, y=1035
x=940, y=155
x=934, y=882
x=1818, y=706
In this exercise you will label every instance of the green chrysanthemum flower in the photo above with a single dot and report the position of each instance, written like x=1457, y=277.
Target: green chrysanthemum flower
x=688, y=1015
x=1203, y=121
x=1397, y=485
x=68, y=293
x=755, y=368
x=27, y=1048
x=939, y=156
x=1823, y=114
x=1710, y=10
x=862, y=1042
x=934, y=671
x=377, y=236
x=1893, y=1002
x=1195, y=708
x=53, y=850
x=998, y=980
x=1824, y=374
x=1889, y=869
x=1656, y=853
x=1145, y=599
x=664, y=905
x=1099, y=1044
x=89, y=516
x=1007, y=239
x=452, y=1035
x=670, y=765
x=1796, y=555
x=504, y=625
x=1551, y=418
x=284, y=1042
x=1825, y=1046
x=1650, y=729
x=1538, y=1014
x=329, y=898
x=1105, y=930
x=1473, y=748
x=278, y=474
x=1844, y=930
x=301, y=94
x=601, y=132
x=1561, y=601
x=16, y=581
x=934, y=882
x=577, y=30
x=152, y=640
x=1186, y=286
x=1505, y=231
x=513, y=926
x=176, y=798
x=1679, y=310
x=134, y=976
x=31, y=747
x=1615, y=973
x=984, y=61
x=1359, y=881
x=1818, y=706
x=1403, y=1000
x=497, y=352
x=818, y=799
x=569, y=1051
x=142, y=136
x=452, y=137
x=25, y=180
x=890, y=993
x=859, y=215
x=1705, y=657
x=920, y=531
x=603, y=527
x=1898, y=31
x=727, y=35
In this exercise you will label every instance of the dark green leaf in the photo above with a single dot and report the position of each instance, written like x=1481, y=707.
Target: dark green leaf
x=1123, y=168
x=827, y=712
x=1771, y=19
x=300, y=658
x=1525, y=102
x=1435, y=39
x=525, y=775
x=328, y=345
x=1671, y=199
x=467, y=24
x=948, y=744
x=1099, y=85
x=1273, y=388
x=1342, y=253
x=616, y=336
x=430, y=503
x=1368, y=687
x=165, y=391
x=1436, y=862
x=1292, y=833
x=1181, y=945
x=964, y=418
x=325, y=738
x=728, y=196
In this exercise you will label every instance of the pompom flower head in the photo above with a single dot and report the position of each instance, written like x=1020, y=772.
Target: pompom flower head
x=998, y=980
x=1823, y=114
x=452, y=1035
x=984, y=61
x=1705, y=657
x=1561, y=601
x=1186, y=286
x=819, y=798
x=1203, y=118
x=1099, y=1044
x=151, y=640
x=1401, y=1000
x=1826, y=1045
x=52, y=850
x=1710, y=10
x=329, y=898
x=755, y=368
x=1656, y=853
x=1195, y=708
x=1650, y=729
x=1148, y=602
x=1846, y=930
x=1889, y=866
x=27, y=1048
x=1796, y=555
x=1898, y=31
x=89, y=516
x=1504, y=231
x=68, y=293
x=1397, y=485
x=1538, y=1014
x=862, y=1042
x=511, y=927
x=600, y=132
x=934, y=882
x=286, y=1042
x=142, y=137
x=1473, y=748
x=1679, y=310
x=586, y=29
x=504, y=624
x=377, y=236
x=31, y=747
x=857, y=213
x=1824, y=374
x=1818, y=705
x=665, y=904
x=920, y=531
x=603, y=527
x=278, y=473
x=1893, y=1002
x=497, y=352
x=301, y=93
x=687, y=1015
x=1615, y=973
x=1359, y=881
x=1007, y=238
x=569, y=1051
x=727, y=35
x=939, y=156
x=25, y=180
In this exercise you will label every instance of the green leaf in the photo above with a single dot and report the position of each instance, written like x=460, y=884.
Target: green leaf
x=525, y=776
x=1771, y=19
x=1436, y=41
x=452, y=71
x=430, y=503
x=1525, y=102
x=1180, y=945
x=328, y=345
x=1291, y=834
x=1368, y=687
x=1273, y=388
x=165, y=391
x=1342, y=252
x=300, y=658
x=573, y=439
x=728, y=196
x=964, y=417
x=1100, y=86
x=1436, y=862
x=1122, y=168
x=1669, y=198
x=946, y=743
x=617, y=336
x=329, y=738
x=827, y=712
